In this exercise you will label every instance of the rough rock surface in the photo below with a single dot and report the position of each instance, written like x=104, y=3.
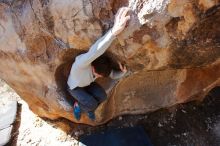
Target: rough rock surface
x=171, y=47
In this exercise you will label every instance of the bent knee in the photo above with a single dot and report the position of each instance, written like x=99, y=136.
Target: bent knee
x=90, y=106
x=103, y=97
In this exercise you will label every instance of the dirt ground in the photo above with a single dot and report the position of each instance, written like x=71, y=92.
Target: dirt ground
x=190, y=124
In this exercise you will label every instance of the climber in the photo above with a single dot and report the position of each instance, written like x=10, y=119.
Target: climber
x=90, y=66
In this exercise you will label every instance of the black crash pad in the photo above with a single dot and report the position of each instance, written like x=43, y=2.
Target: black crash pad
x=131, y=136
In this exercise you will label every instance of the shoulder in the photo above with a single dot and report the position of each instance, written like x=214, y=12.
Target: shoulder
x=78, y=61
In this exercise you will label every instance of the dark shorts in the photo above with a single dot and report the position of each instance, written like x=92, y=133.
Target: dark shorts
x=89, y=97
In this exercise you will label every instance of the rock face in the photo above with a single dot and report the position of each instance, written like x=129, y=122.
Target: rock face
x=171, y=47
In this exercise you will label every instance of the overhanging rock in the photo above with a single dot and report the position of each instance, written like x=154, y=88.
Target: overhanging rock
x=171, y=48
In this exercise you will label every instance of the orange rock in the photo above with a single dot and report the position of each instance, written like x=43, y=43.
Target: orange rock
x=171, y=49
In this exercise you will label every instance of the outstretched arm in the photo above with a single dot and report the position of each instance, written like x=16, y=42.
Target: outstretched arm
x=102, y=44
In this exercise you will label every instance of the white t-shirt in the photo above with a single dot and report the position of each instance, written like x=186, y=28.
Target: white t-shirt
x=81, y=71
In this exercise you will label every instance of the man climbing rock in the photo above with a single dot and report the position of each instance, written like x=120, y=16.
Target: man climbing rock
x=90, y=66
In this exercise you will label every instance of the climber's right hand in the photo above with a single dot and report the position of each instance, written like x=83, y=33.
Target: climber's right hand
x=121, y=19
x=123, y=68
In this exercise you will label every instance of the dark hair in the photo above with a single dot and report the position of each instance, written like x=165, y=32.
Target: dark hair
x=102, y=66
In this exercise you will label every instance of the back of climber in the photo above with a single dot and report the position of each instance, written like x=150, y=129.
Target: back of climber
x=90, y=66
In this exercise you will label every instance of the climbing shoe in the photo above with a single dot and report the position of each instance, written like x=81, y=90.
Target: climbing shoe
x=91, y=115
x=76, y=111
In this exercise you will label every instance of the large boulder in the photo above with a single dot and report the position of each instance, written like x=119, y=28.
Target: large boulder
x=171, y=47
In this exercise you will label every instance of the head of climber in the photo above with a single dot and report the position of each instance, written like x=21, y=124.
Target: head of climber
x=101, y=67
